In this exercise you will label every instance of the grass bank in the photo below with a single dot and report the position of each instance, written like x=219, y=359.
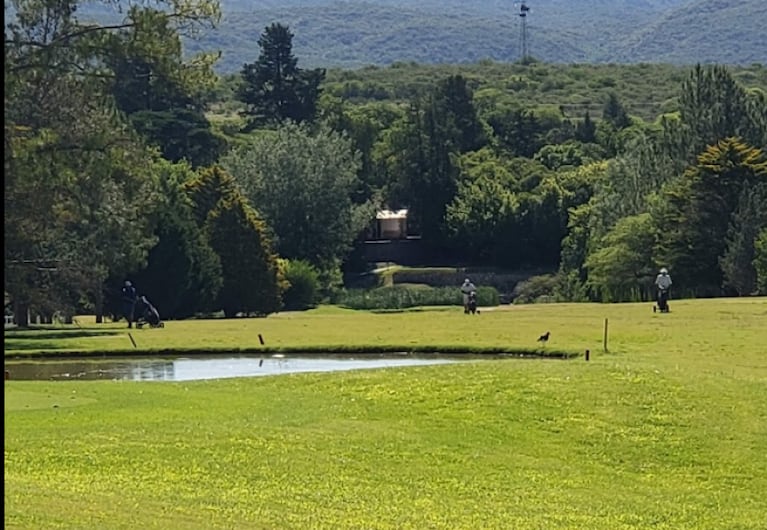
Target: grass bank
x=666, y=430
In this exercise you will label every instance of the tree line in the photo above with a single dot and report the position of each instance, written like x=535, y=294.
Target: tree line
x=116, y=168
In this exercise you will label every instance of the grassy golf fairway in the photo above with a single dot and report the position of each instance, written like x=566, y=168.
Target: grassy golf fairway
x=667, y=430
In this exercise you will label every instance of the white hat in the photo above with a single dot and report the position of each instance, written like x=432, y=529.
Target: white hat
x=664, y=270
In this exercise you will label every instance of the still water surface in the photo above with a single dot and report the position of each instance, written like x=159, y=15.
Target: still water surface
x=197, y=368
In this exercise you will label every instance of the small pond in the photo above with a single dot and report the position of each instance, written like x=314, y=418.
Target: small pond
x=196, y=368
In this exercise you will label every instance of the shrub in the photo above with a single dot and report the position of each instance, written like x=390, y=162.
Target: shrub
x=570, y=288
x=304, y=283
x=438, y=277
x=541, y=287
x=405, y=296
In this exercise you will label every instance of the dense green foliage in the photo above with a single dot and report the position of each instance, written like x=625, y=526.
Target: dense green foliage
x=161, y=94
x=303, y=289
x=302, y=182
x=700, y=208
x=602, y=172
x=81, y=187
x=760, y=261
x=75, y=176
x=406, y=296
x=182, y=275
x=644, y=90
x=240, y=238
x=274, y=89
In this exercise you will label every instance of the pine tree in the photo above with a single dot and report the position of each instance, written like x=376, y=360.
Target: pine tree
x=249, y=266
x=241, y=240
x=747, y=221
x=586, y=130
x=274, y=88
x=615, y=113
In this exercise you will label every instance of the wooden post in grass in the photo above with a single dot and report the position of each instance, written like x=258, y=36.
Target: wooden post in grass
x=605, y=339
x=131, y=339
x=261, y=339
x=587, y=355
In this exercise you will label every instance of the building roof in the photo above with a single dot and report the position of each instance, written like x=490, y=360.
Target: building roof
x=389, y=214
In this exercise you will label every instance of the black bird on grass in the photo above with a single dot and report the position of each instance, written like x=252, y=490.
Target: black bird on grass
x=543, y=339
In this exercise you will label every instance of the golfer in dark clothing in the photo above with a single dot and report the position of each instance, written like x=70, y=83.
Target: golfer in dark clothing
x=129, y=302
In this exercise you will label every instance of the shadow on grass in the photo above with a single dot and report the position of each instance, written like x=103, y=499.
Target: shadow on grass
x=36, y=344
x=54, y=333
x=47, y=338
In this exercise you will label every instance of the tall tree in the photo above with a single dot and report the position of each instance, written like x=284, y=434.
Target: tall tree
x=183, y=274
x=302, y=182
x=162, y=93
x=274, y=88
x=757, y=110
x=697, y=210
x=241, y=239
x=713, y=106
x=209, y=187
x=438, y=128
x=76, y=177
x=621, y=269
x=749, y=219
x=760, y=261
x=615, y=113
x=454, y=107
x=250, y=280
x=585, y=130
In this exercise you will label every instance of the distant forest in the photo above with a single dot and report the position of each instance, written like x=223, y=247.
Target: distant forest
x=354, y=34
x=646, y=90
x=331, y=33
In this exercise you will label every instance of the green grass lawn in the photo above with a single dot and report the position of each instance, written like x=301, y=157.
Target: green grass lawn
x=666, y=430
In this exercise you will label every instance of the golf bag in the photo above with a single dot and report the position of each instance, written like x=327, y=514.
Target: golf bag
x=149, y=315
x=663, y=300
x=472, y=305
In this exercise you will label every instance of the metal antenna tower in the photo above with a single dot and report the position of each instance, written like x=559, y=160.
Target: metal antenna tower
x=523, y=10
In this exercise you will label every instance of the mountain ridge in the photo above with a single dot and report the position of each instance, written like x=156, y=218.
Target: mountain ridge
x=351, y=34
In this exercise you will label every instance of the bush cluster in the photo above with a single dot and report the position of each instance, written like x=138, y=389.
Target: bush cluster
x=406, y=296
x=304, y=285
x=536, y=289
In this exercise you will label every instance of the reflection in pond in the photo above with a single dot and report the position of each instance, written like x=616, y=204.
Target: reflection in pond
x=189, y=369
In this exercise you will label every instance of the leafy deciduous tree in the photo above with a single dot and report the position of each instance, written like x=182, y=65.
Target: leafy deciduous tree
x=622, y=268
x=302, y=182
x=76, y=176
x=161, y=93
